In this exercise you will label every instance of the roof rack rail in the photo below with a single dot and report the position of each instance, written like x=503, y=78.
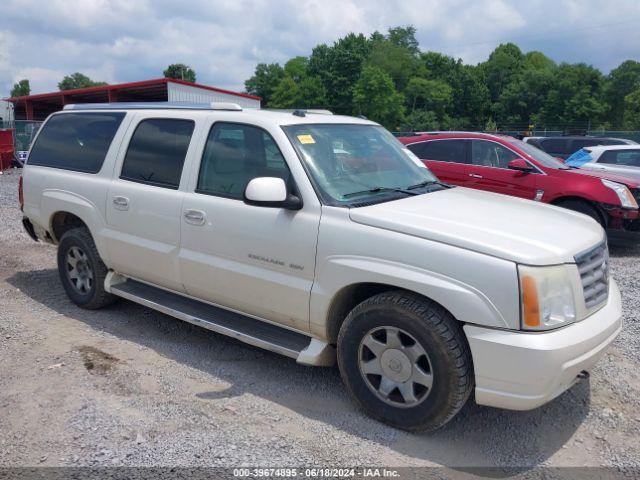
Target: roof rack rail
x=301, y=112
x=155, y=106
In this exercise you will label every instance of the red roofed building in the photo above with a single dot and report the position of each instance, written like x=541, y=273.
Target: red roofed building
x=39, y=106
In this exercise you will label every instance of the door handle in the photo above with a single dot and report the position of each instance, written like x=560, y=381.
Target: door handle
x=121, y=203
x=194, y=217
x=475, y=176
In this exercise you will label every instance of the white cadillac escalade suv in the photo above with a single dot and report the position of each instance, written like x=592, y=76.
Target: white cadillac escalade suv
x=321, y=237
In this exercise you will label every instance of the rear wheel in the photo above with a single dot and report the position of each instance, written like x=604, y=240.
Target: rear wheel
x=82, y=271
x=584, y=208
x=405, y=361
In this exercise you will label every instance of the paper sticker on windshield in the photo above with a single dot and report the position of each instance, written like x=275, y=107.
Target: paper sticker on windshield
x=413, y=158
x=306, y=139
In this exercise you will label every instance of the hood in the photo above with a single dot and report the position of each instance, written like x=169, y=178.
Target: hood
x=629, y=181
x=514, y=229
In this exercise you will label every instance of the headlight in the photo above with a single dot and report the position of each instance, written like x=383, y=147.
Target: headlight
x=547, y=299
x=624, y=195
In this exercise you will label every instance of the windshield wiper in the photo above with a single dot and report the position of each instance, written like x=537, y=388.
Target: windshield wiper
x=427, y=183
x=379, y=189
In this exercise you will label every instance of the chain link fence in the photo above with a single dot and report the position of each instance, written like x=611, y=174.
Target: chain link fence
x=24, y=132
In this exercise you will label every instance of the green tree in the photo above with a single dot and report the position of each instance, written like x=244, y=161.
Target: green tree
x=375, y=96
x=631, y=116
x=338, y=67
x=78, y=80
x=538, y=61
x=395, y=57
x=491, y=126
x=296, y=68
x=421, y=121
x=620, y=82
x=264, y=81
x=404, y=37
x=21, y=88
x=524, y=96
x=526, y=93
x=511, y=88
x=312, y=93
x=504, y=63
x=470, y=102
x=575, y=97
x=307, y=93
x=180, y=71
x=432, y=95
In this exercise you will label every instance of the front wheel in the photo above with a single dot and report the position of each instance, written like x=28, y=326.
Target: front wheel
x=405, y=361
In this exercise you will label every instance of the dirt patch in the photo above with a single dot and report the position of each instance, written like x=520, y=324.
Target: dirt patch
x=96, y=361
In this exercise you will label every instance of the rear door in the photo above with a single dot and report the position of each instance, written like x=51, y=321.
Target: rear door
x=446, y=158
x=488, y=170
x=144, y=201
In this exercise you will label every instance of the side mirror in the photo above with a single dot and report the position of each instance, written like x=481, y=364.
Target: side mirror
x=519, y=165
x=270, y=192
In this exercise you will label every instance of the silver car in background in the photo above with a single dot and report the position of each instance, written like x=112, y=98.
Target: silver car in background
x=620, y=159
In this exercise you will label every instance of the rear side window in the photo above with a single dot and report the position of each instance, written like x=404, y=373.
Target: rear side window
x=440, y=150
x=234, y=155
x=76, y=141
x=558, y=146
x=627, y=158
x=157, y=151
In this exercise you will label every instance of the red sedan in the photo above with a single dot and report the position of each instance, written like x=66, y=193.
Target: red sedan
x=503, y=164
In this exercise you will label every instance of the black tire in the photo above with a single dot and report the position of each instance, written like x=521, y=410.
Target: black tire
x=436, y=331
x=584, y=208
x=94, y=297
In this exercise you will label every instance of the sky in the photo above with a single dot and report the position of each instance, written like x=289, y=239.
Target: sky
x=223, y=40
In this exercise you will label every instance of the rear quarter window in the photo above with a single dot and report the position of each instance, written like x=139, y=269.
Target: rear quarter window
x=76, y=141
x=440, y=150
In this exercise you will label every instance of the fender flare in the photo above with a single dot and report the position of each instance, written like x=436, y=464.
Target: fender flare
x=465, y=302
x=54, y=201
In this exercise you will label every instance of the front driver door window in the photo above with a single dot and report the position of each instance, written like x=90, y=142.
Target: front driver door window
x=489, y=171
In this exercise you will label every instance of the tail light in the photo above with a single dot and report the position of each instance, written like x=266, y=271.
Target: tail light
x=20, y=194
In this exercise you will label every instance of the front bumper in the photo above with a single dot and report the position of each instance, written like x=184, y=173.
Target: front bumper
x=523, y=370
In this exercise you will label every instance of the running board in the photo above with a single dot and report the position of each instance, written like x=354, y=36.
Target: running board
x=305, y=349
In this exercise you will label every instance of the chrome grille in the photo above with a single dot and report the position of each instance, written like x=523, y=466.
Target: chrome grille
x=593, y=266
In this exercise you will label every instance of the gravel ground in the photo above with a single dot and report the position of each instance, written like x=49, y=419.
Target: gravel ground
x=129, y=386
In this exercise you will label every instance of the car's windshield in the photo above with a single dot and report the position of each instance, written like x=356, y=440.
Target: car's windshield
x=540, y=156
x=352, y=162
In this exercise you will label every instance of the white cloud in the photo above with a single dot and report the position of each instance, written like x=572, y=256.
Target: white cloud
x=124, y=40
